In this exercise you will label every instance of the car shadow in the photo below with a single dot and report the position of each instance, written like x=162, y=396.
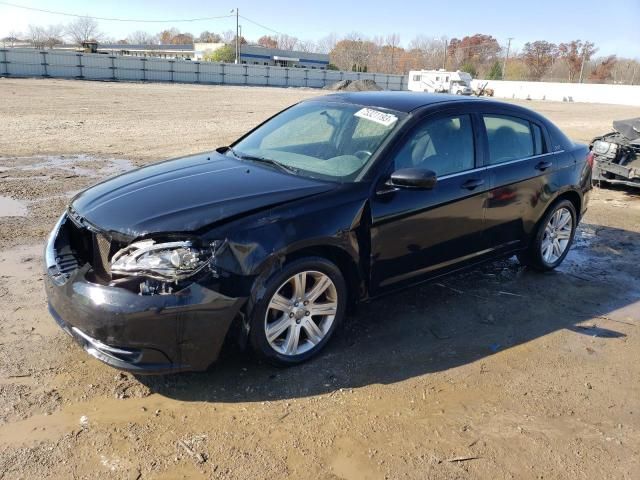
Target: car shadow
x=450, y=322
x=627, y=190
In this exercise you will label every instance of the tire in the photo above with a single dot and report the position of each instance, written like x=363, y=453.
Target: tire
x=279, y=313
x=535, y=256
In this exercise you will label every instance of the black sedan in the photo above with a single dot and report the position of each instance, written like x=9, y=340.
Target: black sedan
x=331, y=202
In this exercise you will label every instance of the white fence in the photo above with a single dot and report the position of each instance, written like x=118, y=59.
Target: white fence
x=565, y=92
x=62, y=64
x=25, y=62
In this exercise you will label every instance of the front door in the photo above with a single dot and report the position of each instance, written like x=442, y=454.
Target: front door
x=416, y=234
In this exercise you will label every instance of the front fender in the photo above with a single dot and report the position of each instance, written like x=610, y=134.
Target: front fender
x=254, y=247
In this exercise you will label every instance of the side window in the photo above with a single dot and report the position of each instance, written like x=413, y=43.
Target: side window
x=510, y=138
x=444, y=145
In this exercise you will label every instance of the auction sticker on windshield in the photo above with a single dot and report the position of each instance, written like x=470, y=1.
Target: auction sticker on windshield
x=377, y=116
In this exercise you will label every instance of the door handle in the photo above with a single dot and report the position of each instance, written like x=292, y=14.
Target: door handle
x=473, y=183
x=542, y=166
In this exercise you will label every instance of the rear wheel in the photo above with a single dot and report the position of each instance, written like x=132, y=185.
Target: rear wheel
x=553, y=237
x=301, y=308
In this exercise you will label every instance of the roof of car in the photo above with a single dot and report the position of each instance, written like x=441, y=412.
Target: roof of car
x=400, y=101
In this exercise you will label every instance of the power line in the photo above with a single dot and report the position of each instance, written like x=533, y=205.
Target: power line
x=113, y=19
x=262, y=26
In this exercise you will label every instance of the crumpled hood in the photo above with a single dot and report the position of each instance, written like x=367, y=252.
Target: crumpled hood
x=628, y=128
x=187, y=194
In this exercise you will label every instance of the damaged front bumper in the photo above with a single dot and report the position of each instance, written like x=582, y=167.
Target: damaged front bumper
x=151, y=334
x=610, y=172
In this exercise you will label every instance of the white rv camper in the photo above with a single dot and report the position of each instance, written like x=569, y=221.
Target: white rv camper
x=440, y=81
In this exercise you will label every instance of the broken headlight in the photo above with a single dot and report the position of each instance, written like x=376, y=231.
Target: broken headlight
x=605, y=149
x=170, y=261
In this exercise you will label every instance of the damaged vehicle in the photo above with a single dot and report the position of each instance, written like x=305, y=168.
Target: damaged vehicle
x=617, y=154
x=334, y=201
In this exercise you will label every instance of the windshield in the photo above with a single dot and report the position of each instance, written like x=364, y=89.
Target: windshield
x=326, y=140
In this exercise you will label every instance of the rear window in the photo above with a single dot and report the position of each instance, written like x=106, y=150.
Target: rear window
x=538, y=142
x=510, y=138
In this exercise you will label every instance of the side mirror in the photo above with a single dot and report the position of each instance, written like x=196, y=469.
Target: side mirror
x=413, y=178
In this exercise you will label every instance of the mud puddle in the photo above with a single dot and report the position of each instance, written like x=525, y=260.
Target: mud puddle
x=80, y=165
x=35, y=190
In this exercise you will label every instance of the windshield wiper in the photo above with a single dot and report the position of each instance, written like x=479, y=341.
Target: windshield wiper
x=270, y=161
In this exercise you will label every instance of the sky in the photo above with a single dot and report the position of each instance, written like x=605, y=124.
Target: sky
x=611, y=24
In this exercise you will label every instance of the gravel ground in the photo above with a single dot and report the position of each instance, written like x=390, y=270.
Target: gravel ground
x=495, y=373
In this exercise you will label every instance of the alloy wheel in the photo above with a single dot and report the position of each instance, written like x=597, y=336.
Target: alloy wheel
x=301, y=312
x=557, y=235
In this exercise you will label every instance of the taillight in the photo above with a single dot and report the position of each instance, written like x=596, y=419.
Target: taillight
x=590, y=157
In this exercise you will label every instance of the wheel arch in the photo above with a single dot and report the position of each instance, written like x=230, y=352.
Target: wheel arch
x=573, y=196
x=343, y=260
x=567, y=194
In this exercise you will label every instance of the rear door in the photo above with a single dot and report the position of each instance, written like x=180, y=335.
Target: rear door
x=519, y=165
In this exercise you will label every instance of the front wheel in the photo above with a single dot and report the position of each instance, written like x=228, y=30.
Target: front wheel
x=553, y=238
x=301, y=307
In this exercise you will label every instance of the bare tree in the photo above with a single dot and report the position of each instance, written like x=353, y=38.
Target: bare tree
x=427, y=52
x=604, y=71
x=83, y=29
x=209, y=37
x=141, y=37
x=354, y=52
x=53, y=35
x=228, y=36
x=393, y=42
x=306, y=46
x=11, y=39
x=37, y=36
x=327, y=43
x=287, y=42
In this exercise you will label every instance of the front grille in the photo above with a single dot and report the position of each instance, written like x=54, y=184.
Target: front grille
x=67, y=263
x=90, y=247
x=101, y=251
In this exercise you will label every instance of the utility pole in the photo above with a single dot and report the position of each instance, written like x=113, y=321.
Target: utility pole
x=506, y=57
x=444, y=59
x=237, y=12
x=392, y=52
x=584, y=55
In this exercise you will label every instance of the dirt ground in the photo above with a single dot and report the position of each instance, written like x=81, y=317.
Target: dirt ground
x=495, y=373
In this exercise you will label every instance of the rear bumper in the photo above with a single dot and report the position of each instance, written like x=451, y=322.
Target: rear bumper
x=150, y=334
